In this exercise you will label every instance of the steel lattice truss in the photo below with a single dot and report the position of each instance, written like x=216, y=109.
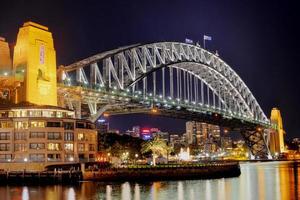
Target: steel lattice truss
x=190, y=76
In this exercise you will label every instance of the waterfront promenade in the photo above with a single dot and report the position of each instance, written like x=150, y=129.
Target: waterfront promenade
x=128, y=173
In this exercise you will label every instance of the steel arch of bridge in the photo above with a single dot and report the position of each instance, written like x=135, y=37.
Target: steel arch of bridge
x=124, y=67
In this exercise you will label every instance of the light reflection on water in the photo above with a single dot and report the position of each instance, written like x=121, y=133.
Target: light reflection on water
x=276, y=180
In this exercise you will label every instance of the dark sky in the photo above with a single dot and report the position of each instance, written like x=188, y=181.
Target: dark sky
x=258, y=39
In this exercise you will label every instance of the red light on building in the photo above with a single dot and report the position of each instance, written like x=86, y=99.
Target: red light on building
x=145, y=131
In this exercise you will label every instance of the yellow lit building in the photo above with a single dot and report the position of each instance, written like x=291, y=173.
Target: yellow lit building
x=34, y=132
x=276, y=136
x=5, y=60
x=45, y=135
x=34, y=65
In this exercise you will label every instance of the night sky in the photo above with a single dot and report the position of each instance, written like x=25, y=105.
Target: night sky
x=258, y=39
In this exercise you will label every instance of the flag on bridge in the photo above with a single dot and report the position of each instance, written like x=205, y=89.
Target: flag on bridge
x=188, y=41
x=206, y=37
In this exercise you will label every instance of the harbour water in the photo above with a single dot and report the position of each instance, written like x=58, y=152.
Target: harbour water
x=262, y=180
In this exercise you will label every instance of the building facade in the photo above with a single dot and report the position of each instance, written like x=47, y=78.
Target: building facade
x=198, y=132
x=45, y=134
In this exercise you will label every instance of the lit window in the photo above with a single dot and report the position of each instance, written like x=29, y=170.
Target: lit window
x=69, y=147
x=6, y=124
x=58, y=114
x=37, y=124
x=21, y=125
x=54, y=147
x=80, y=136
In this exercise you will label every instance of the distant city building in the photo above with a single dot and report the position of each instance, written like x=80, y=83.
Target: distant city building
x=114, y=131
x=136, y=131
x=102, y=127
x=198, y=132
x=163, y=135
x=146, y=134
x=226, y=143
x=174, y=138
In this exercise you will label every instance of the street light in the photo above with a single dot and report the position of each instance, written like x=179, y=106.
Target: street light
x=136, y=156
x=25, y=161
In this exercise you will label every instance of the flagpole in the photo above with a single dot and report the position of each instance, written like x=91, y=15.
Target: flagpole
x=203, y=42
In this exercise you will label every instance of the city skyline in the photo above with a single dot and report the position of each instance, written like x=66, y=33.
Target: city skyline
x=96, y=29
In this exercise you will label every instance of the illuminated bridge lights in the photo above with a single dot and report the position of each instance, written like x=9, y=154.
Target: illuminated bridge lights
x=192, y=85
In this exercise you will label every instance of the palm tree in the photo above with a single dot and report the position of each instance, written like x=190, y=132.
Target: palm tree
x=157, y=146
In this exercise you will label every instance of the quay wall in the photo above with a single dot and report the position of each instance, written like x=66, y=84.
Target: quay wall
x=164, y=173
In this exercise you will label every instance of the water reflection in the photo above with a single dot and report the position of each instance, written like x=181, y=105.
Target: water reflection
x=277, y=180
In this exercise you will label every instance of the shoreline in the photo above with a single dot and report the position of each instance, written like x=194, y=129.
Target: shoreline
x=178, y=172
x=130, y=173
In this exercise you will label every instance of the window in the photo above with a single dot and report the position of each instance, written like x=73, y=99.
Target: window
x=91, y=156
x=69, y=157
x=37, y=157
x=3, y=114
x=90, y=137
x=47, y=113
x=53, y=124
x=37, y=146
x=20, y=147
x=69, y=147
x=90, y=126
x=79, y=125
x=20, y=136
x=6, y=124
x=69, y=125
x=5, y=136
x=37, y=124
x=80, y=147
x=80, y=136
x=4, y=147
x=20, y=113
x=35, y=113
x=69, y=136
x=37, y=135
x=54, y=147
x=53, y=157
x=54, y=136
x=21, y=125
x=91, y=147
x=58, y=114
x=6, y=157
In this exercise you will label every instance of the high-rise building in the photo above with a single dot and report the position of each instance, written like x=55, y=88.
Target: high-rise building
x=226, y=143
x=198, y=132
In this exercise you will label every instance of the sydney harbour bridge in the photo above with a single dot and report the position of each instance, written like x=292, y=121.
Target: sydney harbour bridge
x=172, y=79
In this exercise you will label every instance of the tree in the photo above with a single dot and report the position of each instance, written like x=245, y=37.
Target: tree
x=157, y=146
